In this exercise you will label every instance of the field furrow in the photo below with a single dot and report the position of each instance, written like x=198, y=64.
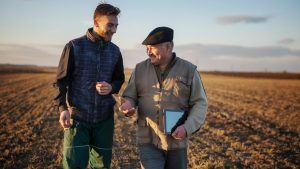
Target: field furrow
x=251, y=123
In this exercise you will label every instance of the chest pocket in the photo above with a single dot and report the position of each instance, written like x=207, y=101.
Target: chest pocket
x=182, y=87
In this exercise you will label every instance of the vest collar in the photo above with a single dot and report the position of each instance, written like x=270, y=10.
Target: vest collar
x=94, y=37
x=174, y=59
x=170, y=65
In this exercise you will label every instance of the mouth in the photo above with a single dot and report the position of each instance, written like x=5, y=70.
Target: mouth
x=109, y=36
x=151, y=56
x=110, y=33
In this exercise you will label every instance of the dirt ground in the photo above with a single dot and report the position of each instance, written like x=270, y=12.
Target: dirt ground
x=251, y=123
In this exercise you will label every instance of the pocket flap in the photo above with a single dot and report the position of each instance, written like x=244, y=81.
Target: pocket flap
x=183, y=80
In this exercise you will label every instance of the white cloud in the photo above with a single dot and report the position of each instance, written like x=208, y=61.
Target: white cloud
x=205, y=56
x=286, y=41
x=32, y=55
x=237, y=51
x=229, y=58
x=226, y=20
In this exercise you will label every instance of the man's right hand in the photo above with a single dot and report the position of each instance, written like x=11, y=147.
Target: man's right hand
x=126, y=108
x=64, y=119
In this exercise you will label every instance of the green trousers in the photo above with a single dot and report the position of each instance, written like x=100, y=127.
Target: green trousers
x=88, y=143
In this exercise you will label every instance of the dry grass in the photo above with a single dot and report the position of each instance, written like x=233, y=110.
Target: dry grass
x=7, y=68
x=260, y=75
x=251, y=123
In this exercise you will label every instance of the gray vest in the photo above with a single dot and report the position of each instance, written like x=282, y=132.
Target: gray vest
x=153, y=99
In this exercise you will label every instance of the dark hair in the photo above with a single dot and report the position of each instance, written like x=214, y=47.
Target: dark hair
x=106, y=9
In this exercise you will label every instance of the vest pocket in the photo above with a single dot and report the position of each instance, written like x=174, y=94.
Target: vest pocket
x=182, y=87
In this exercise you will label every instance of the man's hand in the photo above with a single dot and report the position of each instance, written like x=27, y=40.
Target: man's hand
x=126, y=108
x=103, y=88
x=179, y=133
x=64, y=119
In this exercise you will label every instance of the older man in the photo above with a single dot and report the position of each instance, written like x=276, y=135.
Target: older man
x=164, y=82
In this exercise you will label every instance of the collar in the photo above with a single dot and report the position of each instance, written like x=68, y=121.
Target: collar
x=171, y=63
x=94, y=37
x=174, y=59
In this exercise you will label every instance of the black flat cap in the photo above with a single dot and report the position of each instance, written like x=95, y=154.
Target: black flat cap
x=159, y=35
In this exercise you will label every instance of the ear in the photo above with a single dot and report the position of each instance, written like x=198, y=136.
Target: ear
x=96, y=23
x=169, y=46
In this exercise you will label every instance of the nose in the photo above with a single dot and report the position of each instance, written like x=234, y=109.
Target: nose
x=114, y=29
x=148, y=51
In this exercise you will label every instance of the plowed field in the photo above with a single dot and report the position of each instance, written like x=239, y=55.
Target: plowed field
x=251, y=123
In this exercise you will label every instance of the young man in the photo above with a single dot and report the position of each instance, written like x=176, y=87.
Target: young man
x=164, y=81
x=89, y=72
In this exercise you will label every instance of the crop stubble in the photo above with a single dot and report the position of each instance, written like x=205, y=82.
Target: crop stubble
x=251, y=123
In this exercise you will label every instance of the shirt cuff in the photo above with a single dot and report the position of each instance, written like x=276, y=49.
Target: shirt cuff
x=189, y=132
x=113, y=89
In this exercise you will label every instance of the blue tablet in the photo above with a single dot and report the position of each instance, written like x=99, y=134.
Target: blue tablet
x=171, y=118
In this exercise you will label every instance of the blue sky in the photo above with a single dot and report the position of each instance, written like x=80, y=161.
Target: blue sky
x=230, y=35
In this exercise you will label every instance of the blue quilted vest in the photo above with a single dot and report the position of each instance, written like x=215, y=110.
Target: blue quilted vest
x=94, y=62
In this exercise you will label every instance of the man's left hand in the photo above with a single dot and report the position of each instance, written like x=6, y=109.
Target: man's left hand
x=179, y=133
x=103, y=88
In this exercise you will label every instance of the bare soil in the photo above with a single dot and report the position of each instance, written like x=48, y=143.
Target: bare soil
x=251, y=123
